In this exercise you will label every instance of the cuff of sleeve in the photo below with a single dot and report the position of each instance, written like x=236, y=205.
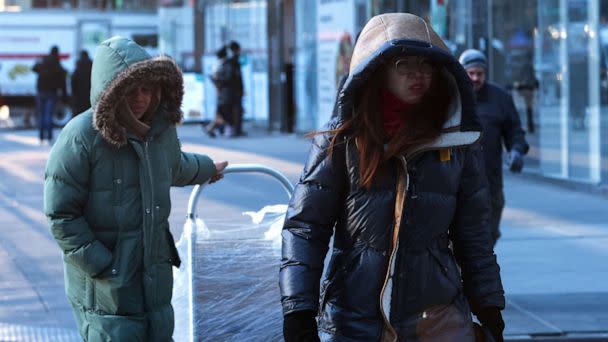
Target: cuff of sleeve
x=92, y=258
x=206, y=169
x=523, y=150
x=291, y=306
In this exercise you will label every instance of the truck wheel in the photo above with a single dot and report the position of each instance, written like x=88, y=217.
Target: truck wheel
x=63, y=114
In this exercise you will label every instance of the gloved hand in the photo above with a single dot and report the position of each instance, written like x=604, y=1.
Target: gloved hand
x=491, y=320
x=300, y=326
x=516, y=161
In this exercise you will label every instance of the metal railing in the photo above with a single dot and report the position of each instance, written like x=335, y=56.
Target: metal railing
x=192, y=234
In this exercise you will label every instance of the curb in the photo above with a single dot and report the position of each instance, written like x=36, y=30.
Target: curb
x=14, y=332
x=567, y=184
x=570, y=337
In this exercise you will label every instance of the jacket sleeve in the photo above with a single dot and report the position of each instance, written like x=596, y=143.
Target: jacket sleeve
x=512, y=133
x=66, y=182
x=190, y=168
x=472, y=237
x=309, y=222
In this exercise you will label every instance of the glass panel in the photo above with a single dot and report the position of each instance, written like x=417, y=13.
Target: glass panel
x=306, y=65
x=603, y=86
x=244, y=22
x=579, y=107
x=458, y=33
x=511, y=58
x=550, y=52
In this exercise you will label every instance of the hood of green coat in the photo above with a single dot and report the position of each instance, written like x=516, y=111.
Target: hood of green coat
x=118, y=66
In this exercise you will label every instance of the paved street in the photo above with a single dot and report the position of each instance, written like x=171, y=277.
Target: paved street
x=553, y=251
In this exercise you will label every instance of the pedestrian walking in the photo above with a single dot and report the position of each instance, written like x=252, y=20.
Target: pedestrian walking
x=107, y=197
x=501, y=126
x=237, y=88
x=81, y=84
x=50, y=85
x=396, y=179
x=221, y=78
x=526, y=84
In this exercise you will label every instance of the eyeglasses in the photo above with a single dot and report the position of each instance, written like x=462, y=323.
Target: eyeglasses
x=409, y=67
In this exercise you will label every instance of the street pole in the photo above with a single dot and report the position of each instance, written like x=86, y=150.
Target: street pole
x=489, y=51
x=199, y=33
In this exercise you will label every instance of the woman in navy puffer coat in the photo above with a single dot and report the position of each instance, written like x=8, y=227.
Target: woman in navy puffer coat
x=397, y=179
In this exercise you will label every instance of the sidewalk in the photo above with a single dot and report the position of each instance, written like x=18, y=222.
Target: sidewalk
x=553, y=256
x=553, y=251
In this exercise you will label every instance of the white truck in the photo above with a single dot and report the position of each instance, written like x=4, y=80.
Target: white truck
x=27, y=36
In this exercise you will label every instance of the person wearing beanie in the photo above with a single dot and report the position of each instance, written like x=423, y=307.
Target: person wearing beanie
x=501, y=127
x=107, y=195
x=397, y=179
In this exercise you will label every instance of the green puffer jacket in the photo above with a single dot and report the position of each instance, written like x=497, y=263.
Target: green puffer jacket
x=107, y=199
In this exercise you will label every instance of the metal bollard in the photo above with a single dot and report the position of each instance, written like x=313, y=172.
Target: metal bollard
x=192, y=215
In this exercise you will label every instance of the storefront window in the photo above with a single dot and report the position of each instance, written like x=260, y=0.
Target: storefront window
x=553, y=99
x=457, y=26
x=306, y=66
x=569, y=62
x=244, y=22
x=135, y=5
x=603, y=88
x=580, y=110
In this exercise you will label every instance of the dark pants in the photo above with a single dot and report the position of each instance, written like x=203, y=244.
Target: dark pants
x=46, y=102
x=237, y=117
x=223, y=114
x=497, y=205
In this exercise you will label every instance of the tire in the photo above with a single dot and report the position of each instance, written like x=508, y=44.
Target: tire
x=63, y=114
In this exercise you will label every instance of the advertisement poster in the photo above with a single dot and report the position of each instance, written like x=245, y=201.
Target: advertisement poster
x=20, y=49
x=439, y=16
x=335, y=41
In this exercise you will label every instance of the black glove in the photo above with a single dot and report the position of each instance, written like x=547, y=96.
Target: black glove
x=491, y=320
x=516, y=161
x=300, y=326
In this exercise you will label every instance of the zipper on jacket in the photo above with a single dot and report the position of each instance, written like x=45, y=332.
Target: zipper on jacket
x=395, y=241
x=402, y=190
x=150, y=206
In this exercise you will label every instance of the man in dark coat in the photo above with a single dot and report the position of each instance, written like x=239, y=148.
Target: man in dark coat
x=51, y=80
x=501, y=125
x=237, y=88
x=81, y=84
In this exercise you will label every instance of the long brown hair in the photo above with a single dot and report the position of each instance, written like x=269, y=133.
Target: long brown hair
x=366, y=125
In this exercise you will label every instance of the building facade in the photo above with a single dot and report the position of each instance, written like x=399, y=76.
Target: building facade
x=552, y=55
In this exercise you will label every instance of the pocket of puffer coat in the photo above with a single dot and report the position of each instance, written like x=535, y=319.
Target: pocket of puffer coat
x=118, y=291
x=174, y=258
x=440, y=323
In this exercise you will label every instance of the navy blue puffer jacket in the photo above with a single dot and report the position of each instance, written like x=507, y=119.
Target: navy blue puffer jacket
x=414, y=251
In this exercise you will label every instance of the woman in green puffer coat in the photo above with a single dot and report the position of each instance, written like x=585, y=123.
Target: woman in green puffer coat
x=107, y=195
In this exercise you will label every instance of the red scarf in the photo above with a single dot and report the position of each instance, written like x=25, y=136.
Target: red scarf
x=395, y=112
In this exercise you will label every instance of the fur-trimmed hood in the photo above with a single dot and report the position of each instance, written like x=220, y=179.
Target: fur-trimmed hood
x=119, y=65
x=387, y=36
